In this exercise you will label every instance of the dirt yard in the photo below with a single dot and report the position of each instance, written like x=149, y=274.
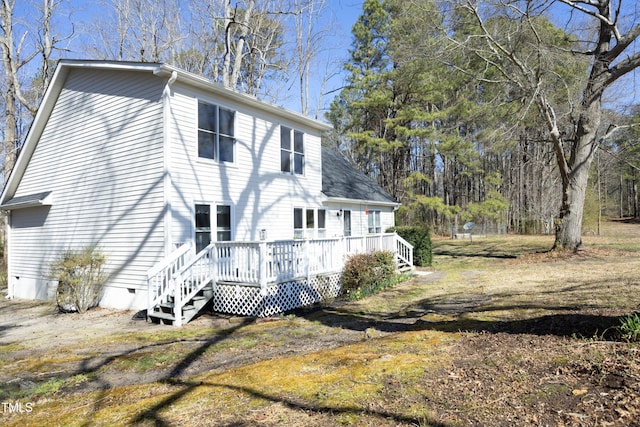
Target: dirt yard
x=497, y=333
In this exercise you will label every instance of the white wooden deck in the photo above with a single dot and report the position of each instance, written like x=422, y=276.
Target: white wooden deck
x=268, y=267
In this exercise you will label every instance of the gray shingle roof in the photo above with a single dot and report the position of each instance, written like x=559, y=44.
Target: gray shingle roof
x=341, y=180
x=30, y=200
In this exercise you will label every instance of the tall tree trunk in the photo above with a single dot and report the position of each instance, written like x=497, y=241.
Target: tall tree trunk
x=575, y=174
x=569, y=226
x=621, y=188
x=634, y=189
x=575, y=170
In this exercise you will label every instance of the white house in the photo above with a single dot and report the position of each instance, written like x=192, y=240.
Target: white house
x=155, y=165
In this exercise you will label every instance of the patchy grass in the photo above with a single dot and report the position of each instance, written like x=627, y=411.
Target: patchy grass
x=341, y=381
x=498, y=324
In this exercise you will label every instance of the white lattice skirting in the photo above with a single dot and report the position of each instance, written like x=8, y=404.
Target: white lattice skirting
x=276, y=298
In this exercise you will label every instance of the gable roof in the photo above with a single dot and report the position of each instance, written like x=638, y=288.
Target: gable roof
x=342, y=182
x=160, y=70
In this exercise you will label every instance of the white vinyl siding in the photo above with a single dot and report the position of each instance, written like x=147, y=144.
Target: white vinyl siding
x=359, y=215
x=262, y=197
x=101, y=156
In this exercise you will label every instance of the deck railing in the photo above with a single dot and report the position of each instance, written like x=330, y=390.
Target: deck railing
x=159, y=276
x=259, y=263
x=192, y=278
x=184, y=273
x=404, y=252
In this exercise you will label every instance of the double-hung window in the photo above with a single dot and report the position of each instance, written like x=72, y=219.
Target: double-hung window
x=298, y=223
x=374, y=222
x=205, y=223
x=223, y=222
x=309, y=223
x=203, y=227
x=291, y=151
x=322, y=223
x=215, y=132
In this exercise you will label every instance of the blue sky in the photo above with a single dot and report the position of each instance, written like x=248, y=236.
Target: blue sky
x=341, y=13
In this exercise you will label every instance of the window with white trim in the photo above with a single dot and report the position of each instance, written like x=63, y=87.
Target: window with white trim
x=205, y=223
x=223, y=223
x=216, y=130
x=291, y=151
x=298, y=223
x=322, y=223
x=373, y=217
x=309, y=223
x=203, y=226
x=346, y=223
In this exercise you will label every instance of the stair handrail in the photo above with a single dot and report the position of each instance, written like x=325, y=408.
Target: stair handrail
x=159, y=284
x=404, y=250
x=200, y=273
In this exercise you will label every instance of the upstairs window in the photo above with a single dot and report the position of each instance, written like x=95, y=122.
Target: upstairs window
x=216, y=132
x=291, y=151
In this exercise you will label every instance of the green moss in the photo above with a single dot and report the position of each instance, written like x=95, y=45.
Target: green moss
x=12, y=347
x=148, y=360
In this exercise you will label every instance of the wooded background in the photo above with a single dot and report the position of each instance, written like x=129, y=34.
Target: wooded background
x=438, y=102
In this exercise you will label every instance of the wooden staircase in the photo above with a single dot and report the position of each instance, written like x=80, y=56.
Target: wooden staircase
x=181, y=285
x=404, y=267
x=163, y=313
x=404, y=255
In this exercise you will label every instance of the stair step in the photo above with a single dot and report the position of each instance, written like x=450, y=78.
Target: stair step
x=163, y=318
x=163, y=306
x=164, y=311
x=168, y=309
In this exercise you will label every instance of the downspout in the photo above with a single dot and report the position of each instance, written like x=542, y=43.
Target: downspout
x=7, y=246
x=167, y=181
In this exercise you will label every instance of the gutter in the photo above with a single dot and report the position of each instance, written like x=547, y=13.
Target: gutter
x=394, y=205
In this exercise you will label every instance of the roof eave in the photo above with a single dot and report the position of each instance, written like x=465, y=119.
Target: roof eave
x=203, y=83
x=329, y=199
x=30, y=201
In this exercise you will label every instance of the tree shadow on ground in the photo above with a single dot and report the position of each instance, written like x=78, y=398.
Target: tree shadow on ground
x=563, y=321
x=296, y=405
x=483, y=249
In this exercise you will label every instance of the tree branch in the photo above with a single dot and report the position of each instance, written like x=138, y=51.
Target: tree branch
x=596, y=14
x=623, y=42
x=623, y=67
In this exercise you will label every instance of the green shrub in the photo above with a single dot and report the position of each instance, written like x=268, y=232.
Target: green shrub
x=421, y=241
x=80, y=277
x=630, y=328
x=364, y=274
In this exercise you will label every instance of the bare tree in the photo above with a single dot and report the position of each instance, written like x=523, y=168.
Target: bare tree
x=14, y=59
x=236, y=28
x=308, y=40
x=139, y=30
x=253, y=35
x=611, y=55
